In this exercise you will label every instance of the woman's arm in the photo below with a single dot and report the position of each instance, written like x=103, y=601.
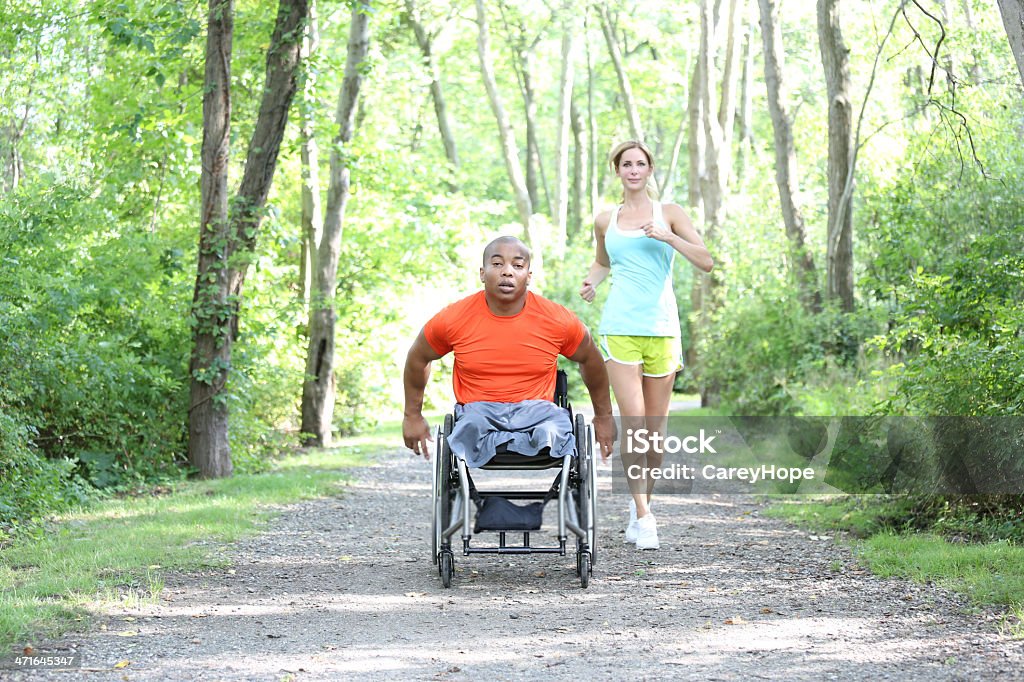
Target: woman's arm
x=682, y=237
x=600, y=268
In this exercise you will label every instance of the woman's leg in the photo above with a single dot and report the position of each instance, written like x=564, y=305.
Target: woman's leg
x=627, y=384
x=657, y=395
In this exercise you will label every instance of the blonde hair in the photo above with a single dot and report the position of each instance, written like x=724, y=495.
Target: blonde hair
x=616, y=155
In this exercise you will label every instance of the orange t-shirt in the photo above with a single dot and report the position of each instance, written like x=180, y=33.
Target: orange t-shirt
x=505, y=359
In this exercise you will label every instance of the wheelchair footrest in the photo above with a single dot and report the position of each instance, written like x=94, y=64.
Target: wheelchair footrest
x=504, y=548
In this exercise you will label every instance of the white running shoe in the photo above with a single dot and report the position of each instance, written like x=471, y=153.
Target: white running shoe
x=631, y=529
x=647, y=532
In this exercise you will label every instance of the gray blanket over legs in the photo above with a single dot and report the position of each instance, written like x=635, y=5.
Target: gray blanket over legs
x=526, y=428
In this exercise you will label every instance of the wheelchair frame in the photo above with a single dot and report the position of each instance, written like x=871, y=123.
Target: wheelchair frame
x=576, y=486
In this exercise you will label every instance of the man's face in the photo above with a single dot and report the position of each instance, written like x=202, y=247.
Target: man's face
x=505, y=273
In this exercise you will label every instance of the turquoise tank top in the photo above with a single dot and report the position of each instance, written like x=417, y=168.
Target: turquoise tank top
x=641, y=301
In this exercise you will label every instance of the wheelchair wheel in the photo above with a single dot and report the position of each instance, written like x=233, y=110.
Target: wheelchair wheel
x=442, y=490
x=592, y=486
x=586, y=494
x=584, y=567
x=447, y=567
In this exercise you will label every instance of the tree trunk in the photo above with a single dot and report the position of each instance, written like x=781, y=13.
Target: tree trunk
x=668, y=180
x=695, y=140
x=510, y=151
x=802, y=263
x=695, y=199
x=746, y=112
x=625, y=88
x=208, y=449
x=12, y=163
x=228, y=241
x=440, y=108
x=312, y=212
x=593, y=154
x=318, y=389
x=718, y=126
x=834, y=58
x=577, y=192
x=561, y=209
x=729, y=91
x=1012, y=12
x=535, y=181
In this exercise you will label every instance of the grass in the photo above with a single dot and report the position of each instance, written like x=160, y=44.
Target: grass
x=989, y=572
x=116, y=551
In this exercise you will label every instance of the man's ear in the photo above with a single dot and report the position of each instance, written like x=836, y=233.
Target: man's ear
x=481, y=274
x=529, y=276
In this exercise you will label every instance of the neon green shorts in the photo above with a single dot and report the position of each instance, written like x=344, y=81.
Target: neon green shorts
x=659, y=355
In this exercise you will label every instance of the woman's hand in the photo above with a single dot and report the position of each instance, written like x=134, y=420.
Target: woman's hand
x=659, y=232
x=588, y=291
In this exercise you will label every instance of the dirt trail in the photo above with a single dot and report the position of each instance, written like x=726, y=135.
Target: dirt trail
x=343, y=588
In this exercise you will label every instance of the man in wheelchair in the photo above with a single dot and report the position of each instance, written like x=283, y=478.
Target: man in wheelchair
x=506, y=342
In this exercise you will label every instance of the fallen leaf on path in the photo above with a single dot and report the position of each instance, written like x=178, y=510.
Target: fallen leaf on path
x=735, y=620
x=539, y=574
x=767, y=610
x=128, y=633
x=120, y=665
x=27, y=650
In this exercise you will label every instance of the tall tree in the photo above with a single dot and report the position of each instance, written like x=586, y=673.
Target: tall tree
x=426, y=45
x=1012, y=12
x=802, y=263
x=695, y=138
x=208, y=446
x=318, y=389
x=716, y=163
x=835, y=60
x=312, y=221
x=577, y=193
x=565, y=86
x=593, y=162
x=718, y=121
x=625, y=88
x=523, y=46
x=746, y=112
x=227, y=238
x=509, y=149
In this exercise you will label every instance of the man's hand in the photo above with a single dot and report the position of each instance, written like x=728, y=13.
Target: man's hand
x=605, y=431
x=416, y=433
x=415, y=429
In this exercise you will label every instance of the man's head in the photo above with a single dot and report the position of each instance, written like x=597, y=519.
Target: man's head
x=506, y=273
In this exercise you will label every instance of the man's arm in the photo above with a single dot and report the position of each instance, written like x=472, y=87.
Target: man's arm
x=595, y=376
x=415, y=430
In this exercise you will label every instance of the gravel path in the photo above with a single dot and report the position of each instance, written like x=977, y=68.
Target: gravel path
x=343, y=588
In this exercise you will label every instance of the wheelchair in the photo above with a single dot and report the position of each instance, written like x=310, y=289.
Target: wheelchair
x=574, y=487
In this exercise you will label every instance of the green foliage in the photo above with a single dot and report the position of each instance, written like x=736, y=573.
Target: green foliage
x=952, y=545
x=30, y=486
x=956, y=310
x=91, y=366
